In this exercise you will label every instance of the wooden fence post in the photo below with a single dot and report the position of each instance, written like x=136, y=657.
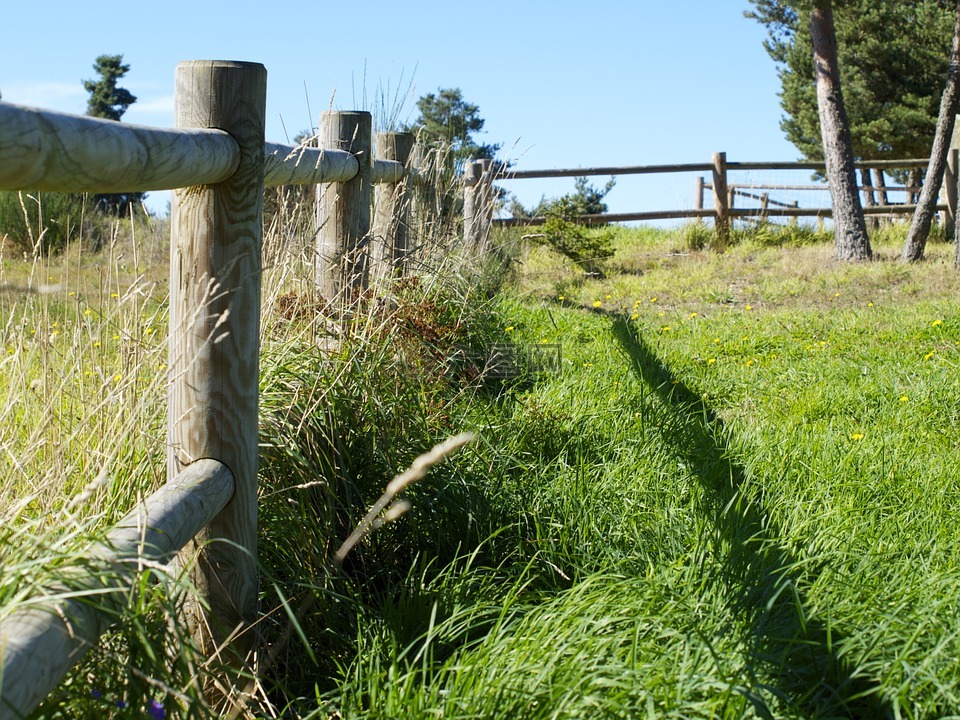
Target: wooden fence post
x=391, y=217
x=472, y=173
x=484, y=208
x=343, y=209
x=720, y=200
x=216, y=236
x=698, y=196
x=477, y=202
x=869, y=197
x=950, y=193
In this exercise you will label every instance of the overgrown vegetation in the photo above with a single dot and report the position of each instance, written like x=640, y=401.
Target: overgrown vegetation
x=734, y=497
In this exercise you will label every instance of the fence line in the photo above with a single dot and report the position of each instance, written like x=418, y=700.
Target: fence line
x=207, y=509
x=724, y=192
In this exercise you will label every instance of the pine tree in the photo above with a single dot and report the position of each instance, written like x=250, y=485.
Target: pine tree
x=106, y=99
x=110, y=102
x=447, y=119
x=893, y=57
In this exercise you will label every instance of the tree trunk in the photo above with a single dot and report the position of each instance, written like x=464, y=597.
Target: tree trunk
x=926, y=206
x=849, y=227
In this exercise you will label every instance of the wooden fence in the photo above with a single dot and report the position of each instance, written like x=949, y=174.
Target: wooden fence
x=218, y=162
x=725, y=192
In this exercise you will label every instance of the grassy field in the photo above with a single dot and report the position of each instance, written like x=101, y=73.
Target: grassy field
x=735, y=497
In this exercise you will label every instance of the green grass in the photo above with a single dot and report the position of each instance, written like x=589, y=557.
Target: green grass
x=735, y=499
x=739, y=516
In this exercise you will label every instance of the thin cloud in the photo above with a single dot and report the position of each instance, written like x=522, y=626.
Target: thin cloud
x=151, y=109
x=67, y=97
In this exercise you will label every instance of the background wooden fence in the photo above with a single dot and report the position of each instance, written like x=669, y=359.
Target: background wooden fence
x=724, y=192
x=207, y=511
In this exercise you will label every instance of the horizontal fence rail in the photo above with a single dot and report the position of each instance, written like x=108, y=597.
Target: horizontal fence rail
x=40, y=642
x=613, y=170
x=299, y=165
x=43, y=150
x=57, y=152
x=725, y=192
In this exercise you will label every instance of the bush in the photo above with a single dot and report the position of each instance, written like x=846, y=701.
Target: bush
x=562, y=233
x=585, y=247
x=42, y=222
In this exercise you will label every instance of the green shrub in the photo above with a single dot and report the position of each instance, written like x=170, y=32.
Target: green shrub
x=585, y=247
x=561, y=232
x=42, y=222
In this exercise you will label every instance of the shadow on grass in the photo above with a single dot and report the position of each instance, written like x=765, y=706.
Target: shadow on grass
x=792, y=651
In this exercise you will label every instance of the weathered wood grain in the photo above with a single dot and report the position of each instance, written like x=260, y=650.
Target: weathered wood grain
x=42, y=641
x=299, y=165
x=44, y=150
x=343, y=209
x=721, y=200
x=485, y=200
x=216, y=234
x=391, y=216
x=472, y=173
x=386, y=170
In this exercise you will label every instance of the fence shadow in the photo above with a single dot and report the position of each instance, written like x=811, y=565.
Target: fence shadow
x=794, y=652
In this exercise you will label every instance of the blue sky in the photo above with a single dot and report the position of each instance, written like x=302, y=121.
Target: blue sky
x=560, y=84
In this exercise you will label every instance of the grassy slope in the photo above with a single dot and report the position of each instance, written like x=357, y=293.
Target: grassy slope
x=735, y=500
